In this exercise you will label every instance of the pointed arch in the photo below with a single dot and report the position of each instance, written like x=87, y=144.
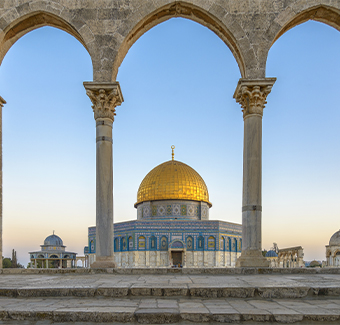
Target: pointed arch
x=321, y=13
x=34, y=20
x=183, y=10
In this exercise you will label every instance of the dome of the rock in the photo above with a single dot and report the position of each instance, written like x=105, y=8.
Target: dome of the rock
x=172, y=180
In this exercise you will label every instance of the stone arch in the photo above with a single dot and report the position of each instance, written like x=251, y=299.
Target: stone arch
x=188, y=11
x=336, y=252
x=34, y=20
x=284, y=22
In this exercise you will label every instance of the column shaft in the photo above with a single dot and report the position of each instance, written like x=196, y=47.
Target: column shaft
x=104, y=188
x=252, y=175
x=252, y=94
x=2, y=102
x=104, y=97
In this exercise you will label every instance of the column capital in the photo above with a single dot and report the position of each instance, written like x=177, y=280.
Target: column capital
x=252, y=94
x=105, y=96
x=2, y=102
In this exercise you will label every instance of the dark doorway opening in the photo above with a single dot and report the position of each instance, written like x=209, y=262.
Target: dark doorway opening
x=177, y=258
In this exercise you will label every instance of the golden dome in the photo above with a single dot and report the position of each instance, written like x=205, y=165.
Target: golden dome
x=173, y=180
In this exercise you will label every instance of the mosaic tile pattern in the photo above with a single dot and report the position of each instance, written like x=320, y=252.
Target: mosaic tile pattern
x=176, y=209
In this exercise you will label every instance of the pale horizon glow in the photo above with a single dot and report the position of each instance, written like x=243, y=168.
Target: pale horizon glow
x=178, y=81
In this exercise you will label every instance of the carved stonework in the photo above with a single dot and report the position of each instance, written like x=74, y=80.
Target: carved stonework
x=252, y=94
x=104, y=97
x=2, y=102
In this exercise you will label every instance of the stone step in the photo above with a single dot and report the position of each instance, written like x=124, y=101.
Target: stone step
x=169, y=310
x=203, y=291
x=144, y=285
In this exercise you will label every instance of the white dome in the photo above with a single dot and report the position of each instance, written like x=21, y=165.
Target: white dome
x=335, y=239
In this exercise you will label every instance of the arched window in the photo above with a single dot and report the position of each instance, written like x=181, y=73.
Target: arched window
x=123, y=245
x=211, y=243
x=240, y=244
x=234, y=245
x=200, y=243
x=222, y=244
x=153, y=243
x=92, y=246
x=141, y=242
x=190, y=243
x=116, y=245
x=130, y=244
x=164, y=243
x=228, y=244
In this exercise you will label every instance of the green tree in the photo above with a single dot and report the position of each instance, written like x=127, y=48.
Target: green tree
x=14, y=259
x=6, y=262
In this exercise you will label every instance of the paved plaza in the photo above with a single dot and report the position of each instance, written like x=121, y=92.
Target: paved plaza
x=169, y=298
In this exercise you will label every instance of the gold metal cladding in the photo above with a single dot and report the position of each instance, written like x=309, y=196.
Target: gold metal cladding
x=173, y=154
x=173, y=180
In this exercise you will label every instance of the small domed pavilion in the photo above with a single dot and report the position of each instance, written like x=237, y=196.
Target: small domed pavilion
x=273, y=258
x=333, y=250
x=53, y=255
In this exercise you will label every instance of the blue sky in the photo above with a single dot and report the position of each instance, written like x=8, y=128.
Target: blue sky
x=178, y=80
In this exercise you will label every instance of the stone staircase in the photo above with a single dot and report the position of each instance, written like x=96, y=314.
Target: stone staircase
x=175, y=296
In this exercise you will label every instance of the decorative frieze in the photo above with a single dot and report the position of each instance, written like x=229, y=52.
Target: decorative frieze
x=251, y=94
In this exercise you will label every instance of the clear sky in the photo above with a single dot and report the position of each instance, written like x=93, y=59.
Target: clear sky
x=178, y=81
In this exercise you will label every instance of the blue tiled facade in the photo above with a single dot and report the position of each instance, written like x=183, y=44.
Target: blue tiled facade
x=158, y=235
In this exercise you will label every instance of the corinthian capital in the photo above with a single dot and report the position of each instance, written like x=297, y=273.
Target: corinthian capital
x=104, y=97
x=2, y=102
x=252, y=94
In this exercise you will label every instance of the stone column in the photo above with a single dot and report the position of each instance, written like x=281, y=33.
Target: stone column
x=2, y=103
x=252, y=94
x=104, y=97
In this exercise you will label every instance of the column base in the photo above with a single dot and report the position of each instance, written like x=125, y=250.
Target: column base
x=252, y=258
x=103, y=262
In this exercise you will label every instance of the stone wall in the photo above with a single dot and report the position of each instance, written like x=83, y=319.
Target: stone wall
x=192, y=259
x=108, y=28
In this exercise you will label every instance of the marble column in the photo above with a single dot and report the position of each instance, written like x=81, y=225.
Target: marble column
x=252, y=94
x=104, y=97
x=2, y=103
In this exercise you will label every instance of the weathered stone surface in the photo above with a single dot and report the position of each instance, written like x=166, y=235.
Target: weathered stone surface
x=93, y=297
x=232, y=20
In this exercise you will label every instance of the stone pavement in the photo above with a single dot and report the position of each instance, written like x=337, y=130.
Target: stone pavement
x=49, y=297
